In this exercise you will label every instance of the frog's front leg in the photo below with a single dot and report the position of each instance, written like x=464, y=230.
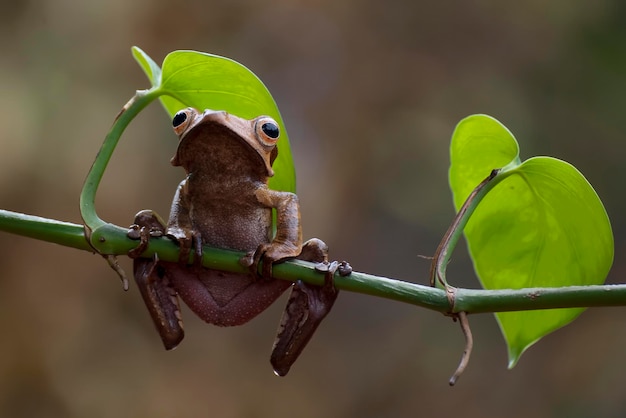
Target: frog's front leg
x=288, y=240
x=180, y=226
x=306, y=308
x=160, y=298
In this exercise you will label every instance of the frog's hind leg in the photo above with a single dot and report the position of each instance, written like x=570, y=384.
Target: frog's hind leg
x=160, y=298
x=306, y=308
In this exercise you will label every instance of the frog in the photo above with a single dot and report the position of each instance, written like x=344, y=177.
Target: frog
x=225, y=202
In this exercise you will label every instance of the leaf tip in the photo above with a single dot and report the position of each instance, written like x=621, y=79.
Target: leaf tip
x=516, y=351
x=147, y=64
x=512, y=361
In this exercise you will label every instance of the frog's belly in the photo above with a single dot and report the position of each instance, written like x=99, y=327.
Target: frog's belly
x=241, y=228
x=221, y=298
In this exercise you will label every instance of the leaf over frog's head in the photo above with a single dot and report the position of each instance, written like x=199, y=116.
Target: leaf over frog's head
x=541, y=225
x=205, y=81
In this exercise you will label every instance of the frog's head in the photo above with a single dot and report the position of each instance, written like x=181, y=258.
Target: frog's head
x=260, y=134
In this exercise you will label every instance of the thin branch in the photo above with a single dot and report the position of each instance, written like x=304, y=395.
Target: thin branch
x=455, y=231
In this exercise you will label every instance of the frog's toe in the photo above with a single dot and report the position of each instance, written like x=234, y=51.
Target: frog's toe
x=184, y=244
x=254, y=259
x=342, y=267
x=141, y=233
x=247, y=260
x=197, y=241
x=134, y=231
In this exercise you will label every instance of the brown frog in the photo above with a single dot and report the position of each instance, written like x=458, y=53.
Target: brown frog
x=225, y=202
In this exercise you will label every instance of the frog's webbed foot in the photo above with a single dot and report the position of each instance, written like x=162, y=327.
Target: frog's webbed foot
x=147, y=224
x=307, y=306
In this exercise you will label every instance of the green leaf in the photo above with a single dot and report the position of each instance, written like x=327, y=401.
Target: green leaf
x=151, y=68
x=541, y=225
x=205, y=81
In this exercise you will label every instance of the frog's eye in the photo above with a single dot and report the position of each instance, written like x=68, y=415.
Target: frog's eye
x=181, y=120
x=267, y=130
x=270, y=129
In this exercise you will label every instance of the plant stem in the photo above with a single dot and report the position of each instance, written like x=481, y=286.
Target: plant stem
x=506, y=300
x=471, y=301
x=455, y=231
x=44, y=229
x=88, y=195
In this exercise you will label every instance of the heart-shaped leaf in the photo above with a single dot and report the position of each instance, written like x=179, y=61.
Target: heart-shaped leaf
x=205, y=81
x=541, y=225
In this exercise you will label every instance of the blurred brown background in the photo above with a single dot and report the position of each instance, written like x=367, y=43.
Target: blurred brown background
x=370, y=92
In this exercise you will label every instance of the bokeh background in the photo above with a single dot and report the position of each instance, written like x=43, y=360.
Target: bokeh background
x=370, y=92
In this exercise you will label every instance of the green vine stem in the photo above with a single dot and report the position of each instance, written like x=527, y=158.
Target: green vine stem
x=44, y=229
x=472, y=301
x=88, y=195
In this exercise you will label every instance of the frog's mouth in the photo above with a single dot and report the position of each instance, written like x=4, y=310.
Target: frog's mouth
x=219, y=148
